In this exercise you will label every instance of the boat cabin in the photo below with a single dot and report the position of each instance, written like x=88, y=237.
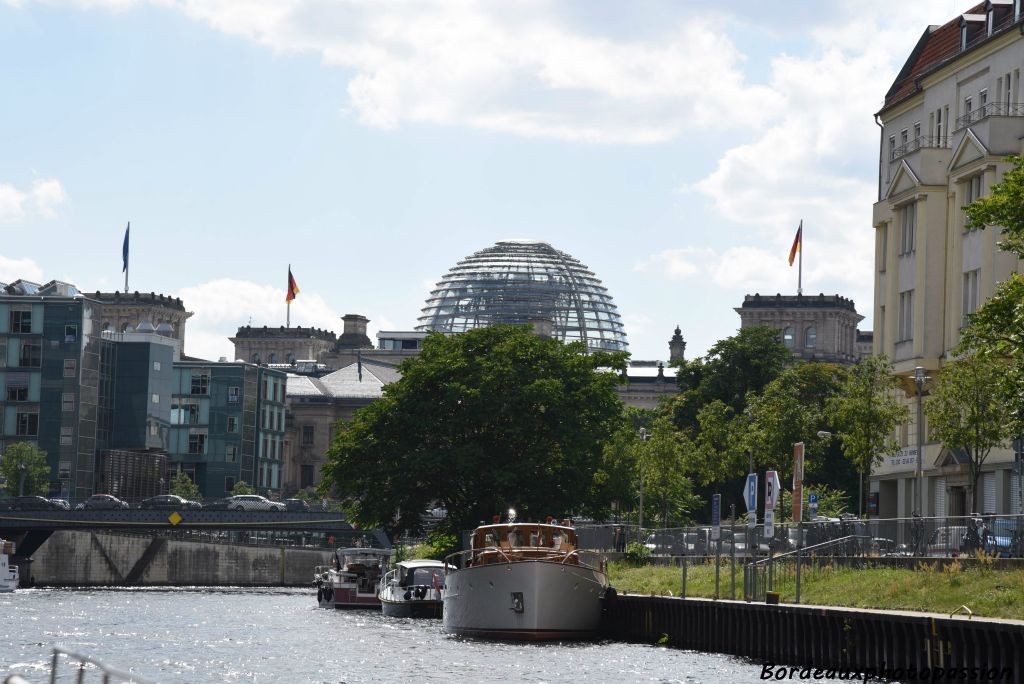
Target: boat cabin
x=509, y=542
x=420, y=574
x=363, y=566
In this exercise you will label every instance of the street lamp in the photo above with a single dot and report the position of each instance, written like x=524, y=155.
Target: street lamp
x=640, y=525
x=919, y=379
x=21, y=477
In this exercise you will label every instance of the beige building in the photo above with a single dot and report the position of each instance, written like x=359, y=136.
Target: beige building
x=813, y=327
x=948, y=122
x=126, y=312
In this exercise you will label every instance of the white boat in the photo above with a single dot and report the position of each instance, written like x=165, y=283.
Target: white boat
x=351, y=579
x=414, y=588
x=524, y=581
x=8, y=570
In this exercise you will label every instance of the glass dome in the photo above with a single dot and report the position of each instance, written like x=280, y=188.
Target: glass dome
x=526, y=281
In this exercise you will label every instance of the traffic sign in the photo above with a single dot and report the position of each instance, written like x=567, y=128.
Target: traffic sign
x=771, y=490
x=812, y=503
x=769, y=524
x=716, y=517
x=751, y=492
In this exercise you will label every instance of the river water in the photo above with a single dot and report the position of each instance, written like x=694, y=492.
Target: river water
x=279, y=635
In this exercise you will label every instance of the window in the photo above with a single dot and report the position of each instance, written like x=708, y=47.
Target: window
x=192, y=414
x=787, y=337
x=197, y=443
x=233, y=396
x=963, y=36
x=908, y=220
x=232, y=424
x=17, y=387
x=970, y=293
x=156, y=365
x=307, y=435
x=231, y=454
x=21, y=321
x=906, y=322
x=155, y=398
x=67, y=401
x=967, y=106
x=154, y=429
x=881, y=328
x=200, y=383
x=938, y=128
x=917, y=130
x=264, y=453
x=983, y=100
x=280, y=415
x=70, y=333
x=273, y=357
x=884, y=239
x=3, y=353
x=70, y=367
x=229, y=484
x=306, y=476
x=1007, y=91
x=28, y=424
x=810, y=337
x=892, y=147
x=972, y=189
x=903, y=139
x=31, y=355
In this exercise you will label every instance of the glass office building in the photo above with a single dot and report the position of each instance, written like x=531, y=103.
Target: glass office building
x=526, y=281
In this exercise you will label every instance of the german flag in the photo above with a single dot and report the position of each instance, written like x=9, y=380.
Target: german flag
x=293, y=287
x=796, y=243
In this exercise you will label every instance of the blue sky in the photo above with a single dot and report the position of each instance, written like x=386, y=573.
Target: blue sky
x=671, y=147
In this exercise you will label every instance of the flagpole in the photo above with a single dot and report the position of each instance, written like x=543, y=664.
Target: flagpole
x=126, y=230
x=288, y=318
x=800, y=268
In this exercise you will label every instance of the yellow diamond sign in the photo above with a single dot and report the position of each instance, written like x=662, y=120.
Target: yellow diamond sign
x=175, y=518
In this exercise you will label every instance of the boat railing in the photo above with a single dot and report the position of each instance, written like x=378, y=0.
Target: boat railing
x=494, y=554
x=84, y=663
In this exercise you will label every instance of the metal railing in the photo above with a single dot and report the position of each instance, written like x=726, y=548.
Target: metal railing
x=775, y=573
x=990, y=109
x=922, y=141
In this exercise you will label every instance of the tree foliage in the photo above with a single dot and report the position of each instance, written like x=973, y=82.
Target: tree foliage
x=668, y=493
x=964, y=412
x=832, y=502
x=36, y=469
x=718, y=452
x=1003, y=207
x=242, y=487
x=479, y=422
x=183, y=486
x=865, y=414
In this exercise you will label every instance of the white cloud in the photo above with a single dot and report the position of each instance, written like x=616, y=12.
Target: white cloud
x=48, y=194
x=12, y=269
x=222, y=306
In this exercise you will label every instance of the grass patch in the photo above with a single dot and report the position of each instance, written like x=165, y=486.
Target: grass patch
x=987, y=592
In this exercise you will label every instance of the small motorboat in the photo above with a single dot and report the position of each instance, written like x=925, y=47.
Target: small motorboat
x=351, y=579
x=8, y=570
x=414, y=588
x=524, y=581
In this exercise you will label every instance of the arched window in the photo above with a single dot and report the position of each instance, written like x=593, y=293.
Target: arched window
x=255, y=357
x=787, y=337
x=273, y=357
x=125, y=326
x=106, y=327
x=810, y=337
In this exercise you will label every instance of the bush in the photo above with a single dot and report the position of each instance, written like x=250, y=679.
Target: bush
x=637, y=554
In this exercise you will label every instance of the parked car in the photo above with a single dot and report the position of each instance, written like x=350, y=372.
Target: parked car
x=102, y=502
x=33, y=503
x=169, y=502
x=216, y=505
x=253, y=502
x=296, y=505
x=62, y=504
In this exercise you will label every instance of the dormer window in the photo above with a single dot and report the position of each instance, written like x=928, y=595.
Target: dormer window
x=971, y=27
x=990, y=19
x=963, y=35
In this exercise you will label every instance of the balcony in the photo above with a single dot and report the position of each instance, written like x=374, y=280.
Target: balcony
x=990, y=109
x=924, y=141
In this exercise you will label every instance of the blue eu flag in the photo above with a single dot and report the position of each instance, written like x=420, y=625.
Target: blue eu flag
x=124, y=250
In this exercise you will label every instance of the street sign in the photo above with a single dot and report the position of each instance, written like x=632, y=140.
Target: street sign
x=812, y=503
x=769, y=524
x=716, y=517
x=752, y=519
x=771, y=490
x=751, y=492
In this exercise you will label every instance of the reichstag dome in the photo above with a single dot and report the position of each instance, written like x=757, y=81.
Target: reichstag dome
x=526, y=281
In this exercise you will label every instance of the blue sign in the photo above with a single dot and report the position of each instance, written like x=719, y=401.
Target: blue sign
x=812, y=502
x=751, y=492
x=716, y=516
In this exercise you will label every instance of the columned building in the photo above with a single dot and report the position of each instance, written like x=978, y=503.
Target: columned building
x=813, y=327
x=125, y=312
x=949, y=121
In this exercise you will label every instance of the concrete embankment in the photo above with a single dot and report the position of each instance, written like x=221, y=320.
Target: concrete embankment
x=896, y=645
x=109, y=559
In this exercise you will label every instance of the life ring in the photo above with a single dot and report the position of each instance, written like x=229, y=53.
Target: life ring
x=328, y=594
x=319, y=595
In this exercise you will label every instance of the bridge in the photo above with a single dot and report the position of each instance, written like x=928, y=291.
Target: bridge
x=30, y=529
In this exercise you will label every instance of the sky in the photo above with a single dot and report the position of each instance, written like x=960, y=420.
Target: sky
x=671, y=146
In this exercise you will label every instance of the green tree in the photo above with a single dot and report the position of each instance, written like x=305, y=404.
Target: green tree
x=865, y=414
x=965, y=413
x=832, y=502
x=183, y=486
x=479, y=422
x=717, y=455
x=668, y=493
x=36, y=470
x=242, y=487
x=1003, y=207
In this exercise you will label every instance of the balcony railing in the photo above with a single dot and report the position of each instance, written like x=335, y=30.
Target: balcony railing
x=990, y=109
x=917, y=143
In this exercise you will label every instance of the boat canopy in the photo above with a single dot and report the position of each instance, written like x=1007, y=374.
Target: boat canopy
x=525, y=535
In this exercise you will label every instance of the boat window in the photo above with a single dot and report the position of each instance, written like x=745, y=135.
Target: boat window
x=556, y=540
x=425, y=577
x=490, y=540
x=513, y=538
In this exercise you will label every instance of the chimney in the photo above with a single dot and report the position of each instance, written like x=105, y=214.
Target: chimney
x=354, y=324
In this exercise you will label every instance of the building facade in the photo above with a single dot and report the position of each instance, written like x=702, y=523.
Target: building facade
x=281, y=345
x=948, y=123
x=125, y=312
x=813, y=327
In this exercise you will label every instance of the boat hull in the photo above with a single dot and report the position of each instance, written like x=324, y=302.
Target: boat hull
x=532, y=600
x=412, y=609
x=343, y=595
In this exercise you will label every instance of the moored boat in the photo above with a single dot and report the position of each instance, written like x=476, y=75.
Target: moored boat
x=414, y=588
x=8, y=570
x=524, y=581
x=351, y=579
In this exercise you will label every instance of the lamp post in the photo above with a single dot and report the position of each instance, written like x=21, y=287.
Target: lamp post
x=21, y=477
x=919, y=380
x=640, y=525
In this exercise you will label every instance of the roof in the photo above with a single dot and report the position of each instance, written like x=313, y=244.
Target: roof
x=298, y=332
x=139, y=298
x=937, y=46
x=345, y=382
x=780, y=301
x=425, y=563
